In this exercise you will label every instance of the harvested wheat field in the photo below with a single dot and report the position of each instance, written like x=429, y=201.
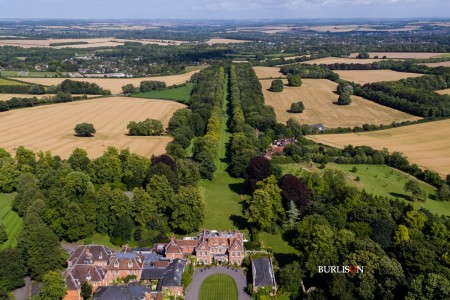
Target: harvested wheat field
x=115, y=84
x=370, y=76
x=215, y=41
x=318, y=97
x=444, y=92
x=341, y=60
x=402, y=55
x=268, y=72
x=426, y=145
x=439, y=64
x=50, y=127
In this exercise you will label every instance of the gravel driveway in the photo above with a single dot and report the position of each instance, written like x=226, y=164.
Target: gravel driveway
x=239, y=277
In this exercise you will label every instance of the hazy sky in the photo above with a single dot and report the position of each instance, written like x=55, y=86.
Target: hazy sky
x=225, y=9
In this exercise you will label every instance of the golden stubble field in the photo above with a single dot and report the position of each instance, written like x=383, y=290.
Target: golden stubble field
x=402, y=55
x=91, y=43
x=370, y=76
x=426, y=145
x=215, y=41
x=444, y=92
x=341, y=60
x=318, y=96
x=268, y=72
x=114, y=84
x=439, y=64
x=4, y=97
x=50, y=127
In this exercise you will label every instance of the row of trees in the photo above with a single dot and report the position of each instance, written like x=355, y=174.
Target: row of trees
x=19, y=102
x=78, y=87
x=145, y=86
x=309, y=71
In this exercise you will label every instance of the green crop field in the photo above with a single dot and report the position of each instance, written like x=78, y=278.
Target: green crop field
x=11, y=219
x=180, y=94
x=218, y=287
x=10, y=82
x=30, y=74
x=383, y=181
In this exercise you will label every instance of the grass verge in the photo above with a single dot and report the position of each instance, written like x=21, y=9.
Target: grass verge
x=11, y=219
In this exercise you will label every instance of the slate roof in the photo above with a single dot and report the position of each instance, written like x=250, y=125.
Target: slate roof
x=126, y=261
x=88, y=254
x=169, y=276
x=263, y=272
x=129, y=292
x=76, y=275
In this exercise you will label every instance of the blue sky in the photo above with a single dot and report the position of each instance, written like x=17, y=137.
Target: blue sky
x=222, y=9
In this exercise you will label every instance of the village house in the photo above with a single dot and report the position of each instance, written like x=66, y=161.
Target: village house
x=277, y=147
x=208, y=247
x=123, y=264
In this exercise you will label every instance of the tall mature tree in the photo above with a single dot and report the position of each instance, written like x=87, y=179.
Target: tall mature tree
x=121, y=232
x=161, y=193
x=143, y=206
x=188, y=210
x=294, y=80
x=294, y=190
x=276, y=86
x=135, y=169
x=53, y=286
x=79, y=160
x=76, y=184
x=417, y=192
x=293, y=216
x=107, y=168
x=13, y=269
x=27, y=192
x=75, y=224
x=84, y=130
x=291, y=277
x=265, y=208
x=26, y=159
x=8, y=172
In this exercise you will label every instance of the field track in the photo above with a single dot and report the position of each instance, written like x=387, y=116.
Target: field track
x=318, y=96
x=426, y=145
x=115, y=84
x=50, y=127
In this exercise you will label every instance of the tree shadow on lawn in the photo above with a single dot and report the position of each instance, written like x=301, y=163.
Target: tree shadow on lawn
x=285, y=258
x=401, y=196
x=239, y=221
x=236, y=188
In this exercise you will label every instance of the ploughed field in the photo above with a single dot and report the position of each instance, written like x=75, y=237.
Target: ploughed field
x=318, y=96
x=370, y=76
x=114, y=84
x=426, y=145
x=51, y=127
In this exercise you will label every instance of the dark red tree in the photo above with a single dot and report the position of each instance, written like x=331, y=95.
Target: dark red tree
x=165, y=159
x=293, y=189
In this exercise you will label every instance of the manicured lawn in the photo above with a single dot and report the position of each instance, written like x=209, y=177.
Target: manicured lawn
x=381, y=180
x=277, y=243
x=10, y=82
x=223, y=202
x=30, y=74
x=218, y=287
x=11, y=219
x=181, y=94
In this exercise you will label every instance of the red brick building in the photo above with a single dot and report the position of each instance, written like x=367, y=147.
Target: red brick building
x=209, y=246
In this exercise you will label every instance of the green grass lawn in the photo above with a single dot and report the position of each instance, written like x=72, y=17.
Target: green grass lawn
x=181, y=94
x=383, y=181
x=11, y=219
x=223, y=202
x=99, y=239
x=10, y=82
x=277, y=243
x=218, y=287
x=30, y=74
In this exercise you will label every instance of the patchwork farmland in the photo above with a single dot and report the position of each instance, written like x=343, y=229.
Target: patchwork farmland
x=402, y=55
x=115, y=84
x=341, y=60
x=424, y=144
x=51, y=127
x=268, y=72
x=318, y=96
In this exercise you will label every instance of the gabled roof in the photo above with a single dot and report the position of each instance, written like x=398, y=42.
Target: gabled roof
x=263, y=272
x=127, y=292
x=76, y=275
x=88, y=254
x=172, y=278
x=126, y=261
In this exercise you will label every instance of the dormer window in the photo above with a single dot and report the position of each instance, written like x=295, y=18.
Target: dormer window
x=116, y=264
x=130, y=264
x=100, y=256
x=88, y=276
